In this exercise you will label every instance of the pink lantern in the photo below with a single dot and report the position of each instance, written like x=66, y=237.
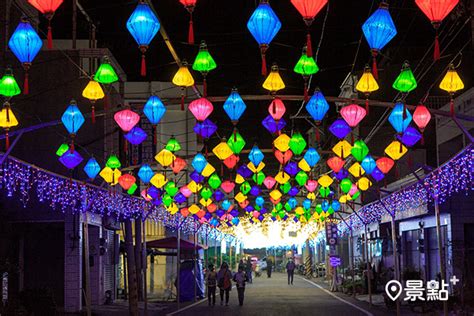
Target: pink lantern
x=126, y=119
x=255, y=214
x=353, y=114
x=228, y=186
x=201, y=108
x=335, y=163
x=311, y=185
x=185, y=191
x=277, y=109
x=353, y=189
x=421, y=117
x=145, y=195
x=269, y=182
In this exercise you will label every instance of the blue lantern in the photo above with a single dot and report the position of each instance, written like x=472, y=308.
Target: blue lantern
x=226, y=204
x=292, y=202
x=264, y=26
x=92, y=168
x=325, y=205
x=317, y=106
x=335, y=205
x=145, y=173
x=311, y=157
x=199, y=162
x=368, y=164
x=306, y=204
x=154, y=109
x=234, y=106
x=259, y=201
x=143, y=25
x=136, y=136
x=72, y=118
x=25, y=43
x=397, y=118
x=255, y=155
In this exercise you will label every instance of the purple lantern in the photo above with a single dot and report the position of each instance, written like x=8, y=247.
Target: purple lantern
x=273, y=126
x=244, y=171
x=218, y=195
x=220, y=213
x=377, y=174
x=205, y=129
x=234, y=212
x=71, y=159
x=410, y=136
x=343, y=173
x=263, y=211
x=196, y=176
x=208, y=216
x=179, y=198
x=249, y=208
x=293, y=191
x=292, y=168
x=153, y=192
x=136, y=136
x=340, y=128
x=255, y=190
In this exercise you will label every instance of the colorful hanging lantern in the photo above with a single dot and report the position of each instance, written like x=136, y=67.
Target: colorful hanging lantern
x=92, y=168
x=62, y=149
x=199, y=162
x=72, y=120
x=410, y=136
x=317, y=106
x=8, y=85
x=353, y=114
x=183, y=79
x=308, y=10
x=126, y=181
x=173, y=145
x=93, y=91
x=335, y=163
x=421, y=117
x=189, y=5
x=113, y=162
x=282, y=142
x=7, y=121
x=345, y=185
x=436, y=11
x=255, y=155
x=126, y=119
x=106, y=74
x=395, y=150
x=277, y=109
x=236, y=143
x=306, y=67
x=47, y=8
x=356, y=170
x=364, y=184
x=204, y=63
x=297, y=143
x=273, y=125
x=136, y=136
x=342, y=149
x=201, y=108
x=379, y=29
x=154, y=110
x=274, y=82
x=145, y=173
x=325, y=181
x=143, y=25
x=234, y=106
x=311, y=157
x=367, y=84
x=264, y=25
x=339, y=128
x=359, y=150
x=222, y=150
x=71, y=159
x=178, y=165
x=368, y=164
x=165, y=157
x=400, y=117
x=405, y=81
x=205, y=129
x=25, y=44
x=451, y=83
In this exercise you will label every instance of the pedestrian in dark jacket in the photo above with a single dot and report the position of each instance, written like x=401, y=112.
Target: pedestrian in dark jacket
x=248, y=270
x=290, y=269
x=224, y=282
x=269, y=267
x=240, y=278
x=211, y=281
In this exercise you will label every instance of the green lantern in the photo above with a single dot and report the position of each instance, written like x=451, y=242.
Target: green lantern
x=359, y=150
x=301, y=178
x=171, y=188
x=281, y=213
x=318, y=209
x=356, y=195
x=167, y=200
x=113, y=162
x=306, y=66
x=346, y=185
x=132, y=189
x=236, y=142
x=279, y=206
x=405, y=81
x=330, y=211
x=204, y=62
x=297, y=143
x=206, y=193
x=285, y=188
x=245, y=188
x=257, y=207
x=8, y=85
x=106, y=73
x=287, y=207
x=259, y=177
x=173, y=145
x=324, y=192
x=214, y=181
x=62, y=149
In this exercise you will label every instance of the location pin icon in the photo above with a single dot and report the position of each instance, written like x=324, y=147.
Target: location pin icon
x=393, y=289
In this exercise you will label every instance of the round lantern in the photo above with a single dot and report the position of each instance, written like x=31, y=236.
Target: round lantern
x=353, y=114
x=154, y=110
x=367, y=84
x=93, y=91
x=335, y=163
x=126, y=181
x=72, y=119
x=201, y=108
x=7, y=120
x=317, y=107
x=183, y=79
x=47, y=8
x=451, y=83
x=204, y=63
x=277, y=109
x=126, y=119
x=92, y=168
x=384, y=164
x=234, y=106
x=421, y=117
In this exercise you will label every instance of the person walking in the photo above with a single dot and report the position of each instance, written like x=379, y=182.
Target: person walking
x=240, y=278
x=269, y=267
x=290, y=269
x=224, y=282
x=211, y=281
x=248, y=270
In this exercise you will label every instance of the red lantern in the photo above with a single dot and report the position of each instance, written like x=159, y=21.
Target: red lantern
x=228, y=186
x=283, y=158
x=436, y=11
x=335, y=163
x=421, y=117
x=201, y=108
x=308, y=10
x=385, y=164
x=126, y=119
x=185, y=212
x=231, y=161
x=277, y=109
x=126, y=181
x=353, y=114
x=190, y=5
x=47, y=7
x=178, y=165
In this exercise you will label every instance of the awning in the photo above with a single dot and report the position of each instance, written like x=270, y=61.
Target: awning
x=172, y=243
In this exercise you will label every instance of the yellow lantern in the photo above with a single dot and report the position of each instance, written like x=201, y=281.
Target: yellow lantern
x=282, y=142
x=299, y=210
x=172, y=209
x=396, y=150
x=282, y=177
x=303, y=165
x=107, y=174
x=7, y=120
x=367, y=83
x=240, y=197
x=208, y=170
x=342, y=149
x=194, y=187
x=194, y=209
x=274, y=83
x=239, y=179
x=356, y=170
x=254, y=169
x=343, y=199
x=205, y=202
x=325, y=181
x=158, y=180
x=222, y=151
x=93, y=91
x=451, y=81
x=275, y=194
x=364, y=184
x=183, y=77
x=311, y=195
x=165, y=157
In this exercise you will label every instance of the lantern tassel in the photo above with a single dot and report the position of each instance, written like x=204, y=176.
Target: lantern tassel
x=318, y=136
x=182, y=101
x=72, y=146
x=93, y=114
x=422, y=142
x=451, y=106
x=125, y=147
x=235, y=134
x=26, y=83
x=367, y=105
x=263, y=50
x=7, y=140
x=191, y=30
x=309, y=46
x=8, y=113
x=375, y=71
x=204, y=87
x=50, y=35
x=436, y=53
x=155, y=135
x=143, y=67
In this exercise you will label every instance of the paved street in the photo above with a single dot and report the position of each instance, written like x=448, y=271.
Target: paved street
x=274, y=297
